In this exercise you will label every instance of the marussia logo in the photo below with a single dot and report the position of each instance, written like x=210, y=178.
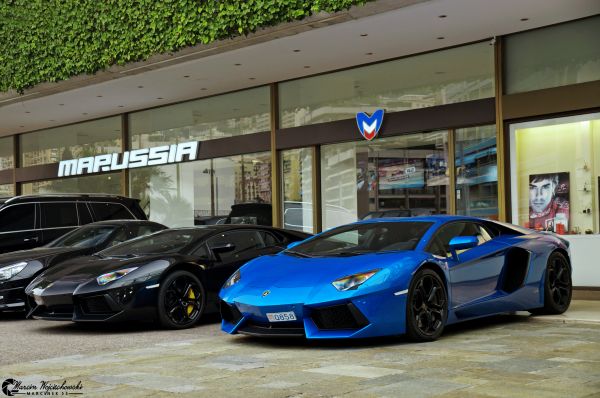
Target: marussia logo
x=369, y=125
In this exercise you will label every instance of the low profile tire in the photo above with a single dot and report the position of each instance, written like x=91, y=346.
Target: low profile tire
x=181, y=300
x=558, y=287
x=426, y=306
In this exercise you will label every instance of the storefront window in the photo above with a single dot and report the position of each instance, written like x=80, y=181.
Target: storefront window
x=556, y=174
x=297, y=189
x=203, y=192
x=228, y=115
x=476, y=172
x=6, y=153
x=554, y=56
x=6, y=190
x=101, y=183
x=400, y=176
x=442, y=77
x=71, y=142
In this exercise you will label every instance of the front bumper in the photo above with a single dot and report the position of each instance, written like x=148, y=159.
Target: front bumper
x=12, y=296
x=377, y=314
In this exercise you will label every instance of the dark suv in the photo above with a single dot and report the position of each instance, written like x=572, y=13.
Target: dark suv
x=34, y=220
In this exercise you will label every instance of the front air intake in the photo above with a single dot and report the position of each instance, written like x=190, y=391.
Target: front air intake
x=344, y=316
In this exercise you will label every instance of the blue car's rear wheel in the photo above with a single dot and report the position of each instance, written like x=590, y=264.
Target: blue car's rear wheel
x=181, y=300
x=558, y=286
x=426, y=306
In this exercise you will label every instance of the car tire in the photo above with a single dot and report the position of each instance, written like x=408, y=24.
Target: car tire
x=558, y=286
x=181, y=300
x=426, y=306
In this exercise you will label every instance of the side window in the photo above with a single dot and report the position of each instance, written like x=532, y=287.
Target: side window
x=58, y=215
x=119, y=237
x=269, y=239
x=440, y=245
x=244, y=242
x=142, y=230
x=17, y=218
x=84, y=214
x=110, y=211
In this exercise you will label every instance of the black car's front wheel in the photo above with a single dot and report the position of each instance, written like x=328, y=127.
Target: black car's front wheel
x=181, y=300
x=426, y=306
x=558, y=287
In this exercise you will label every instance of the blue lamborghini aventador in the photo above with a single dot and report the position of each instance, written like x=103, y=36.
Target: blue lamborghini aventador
x=397, y=276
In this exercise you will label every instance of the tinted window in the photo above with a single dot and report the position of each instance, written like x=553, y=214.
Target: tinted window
x=110, y=211
x=440, y=245
x=84, y=237
x=57, y=215
x=269, y=239
x=358, y=239
x=164, y=242
x=142, y=230
x=84, y=214
x=17, y=218
x=244, y=241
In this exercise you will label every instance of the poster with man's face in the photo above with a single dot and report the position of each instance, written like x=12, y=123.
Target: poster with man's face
x=549, y=202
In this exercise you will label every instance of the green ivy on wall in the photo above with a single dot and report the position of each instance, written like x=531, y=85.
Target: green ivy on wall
x=52, y=40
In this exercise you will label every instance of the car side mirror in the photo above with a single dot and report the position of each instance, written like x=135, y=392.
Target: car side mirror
x=226, y=248
x=293, y=244
x=462, y=243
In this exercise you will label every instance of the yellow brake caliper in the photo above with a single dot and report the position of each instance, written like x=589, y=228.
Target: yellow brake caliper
x=190, y=307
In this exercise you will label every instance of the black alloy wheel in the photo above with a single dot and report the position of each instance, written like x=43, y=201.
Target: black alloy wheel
x=181, y=300
x=426, y=306
x=558, y=287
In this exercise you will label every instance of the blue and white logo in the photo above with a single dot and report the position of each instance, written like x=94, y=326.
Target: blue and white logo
x=369, y=125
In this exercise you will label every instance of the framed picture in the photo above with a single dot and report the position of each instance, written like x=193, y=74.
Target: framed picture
x=549, y=202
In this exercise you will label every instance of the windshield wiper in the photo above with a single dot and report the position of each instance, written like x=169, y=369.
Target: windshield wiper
x=296, y=254
x=348, y=253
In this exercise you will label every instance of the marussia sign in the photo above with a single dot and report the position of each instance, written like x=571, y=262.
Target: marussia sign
x=369, y=126
x=131, y=159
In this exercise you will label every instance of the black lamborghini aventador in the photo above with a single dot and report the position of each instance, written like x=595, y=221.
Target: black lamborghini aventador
x=172, y=276
x=17, y=269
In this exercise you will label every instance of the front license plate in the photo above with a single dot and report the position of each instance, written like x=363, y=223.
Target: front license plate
x=281, y=316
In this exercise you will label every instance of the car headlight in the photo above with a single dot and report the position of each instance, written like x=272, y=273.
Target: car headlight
x=233, y=279
x=113, y=276
x=8, y=272
x=352, y=282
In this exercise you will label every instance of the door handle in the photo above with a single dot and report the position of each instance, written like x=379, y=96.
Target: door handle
x=31, y=239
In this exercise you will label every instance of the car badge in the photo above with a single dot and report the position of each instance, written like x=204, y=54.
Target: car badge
x=266, y=293
x=369, y=125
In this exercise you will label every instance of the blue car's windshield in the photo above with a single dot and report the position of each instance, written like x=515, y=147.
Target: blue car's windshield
x=355, y=239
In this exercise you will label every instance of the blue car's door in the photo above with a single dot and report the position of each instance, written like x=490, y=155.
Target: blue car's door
x=474, y=275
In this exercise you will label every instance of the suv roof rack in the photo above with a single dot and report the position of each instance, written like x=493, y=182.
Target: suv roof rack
x=67, y=195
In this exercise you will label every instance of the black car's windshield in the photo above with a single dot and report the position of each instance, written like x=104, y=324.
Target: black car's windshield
x=164, y=242
x=85, y=237
x=355, y=239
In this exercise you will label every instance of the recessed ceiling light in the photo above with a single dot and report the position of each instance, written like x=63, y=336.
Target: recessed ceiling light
x=439, y=72
x=61, y=104
x=21, y=126
x=364, y=34
x=27, y=112
x=203, y=88
x=441, y=38
x=524, y=19
x=140, y=86
x=121, y=106
x=159, y=98
x=252, y=78
x=236, y=109
x=238, y=64
x=296, y=51
x=99, y=96
x=442, y=16
x=368, y=53
x=186, y=76
x=84, y=113
x=52, y=120
x=306, y=66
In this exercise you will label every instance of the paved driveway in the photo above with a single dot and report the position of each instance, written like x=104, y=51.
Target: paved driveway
x=510, y=355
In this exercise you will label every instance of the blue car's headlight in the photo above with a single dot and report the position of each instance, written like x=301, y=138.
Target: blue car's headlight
x=8, y=272
x=352, y=282
x=113, y=276
x=233, y=279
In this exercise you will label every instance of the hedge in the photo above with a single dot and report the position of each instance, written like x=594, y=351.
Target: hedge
x=52, y=40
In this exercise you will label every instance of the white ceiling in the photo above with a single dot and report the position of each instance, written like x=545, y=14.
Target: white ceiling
x=412, y=29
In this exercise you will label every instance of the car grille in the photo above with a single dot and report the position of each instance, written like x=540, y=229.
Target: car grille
x=345, y=316
x=95, y=305
x=230, y=313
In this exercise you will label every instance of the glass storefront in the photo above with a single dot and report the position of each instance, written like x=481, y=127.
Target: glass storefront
x=71, y=142
x=297, y=189
x=203, y=192
x=228, y=115
x=102, y=183
x=6, y=190
x=556, y=174
x=442, y=77
x=476, y=172
x=6, y=153
x=406, y=173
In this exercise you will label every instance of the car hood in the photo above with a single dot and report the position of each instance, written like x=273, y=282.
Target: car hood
x=41, y=254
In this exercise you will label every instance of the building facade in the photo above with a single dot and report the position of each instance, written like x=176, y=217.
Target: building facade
x=481, y=129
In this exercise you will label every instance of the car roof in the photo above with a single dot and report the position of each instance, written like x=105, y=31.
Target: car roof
x=439, y=218
x=123, y=222
x=91, y=197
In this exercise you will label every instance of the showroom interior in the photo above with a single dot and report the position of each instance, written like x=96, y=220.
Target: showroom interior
x=466, y=130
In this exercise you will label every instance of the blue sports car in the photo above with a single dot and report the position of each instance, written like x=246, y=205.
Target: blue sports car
x=391, y=276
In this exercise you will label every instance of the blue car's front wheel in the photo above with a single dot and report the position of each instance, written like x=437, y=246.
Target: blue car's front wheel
x=426, y=307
